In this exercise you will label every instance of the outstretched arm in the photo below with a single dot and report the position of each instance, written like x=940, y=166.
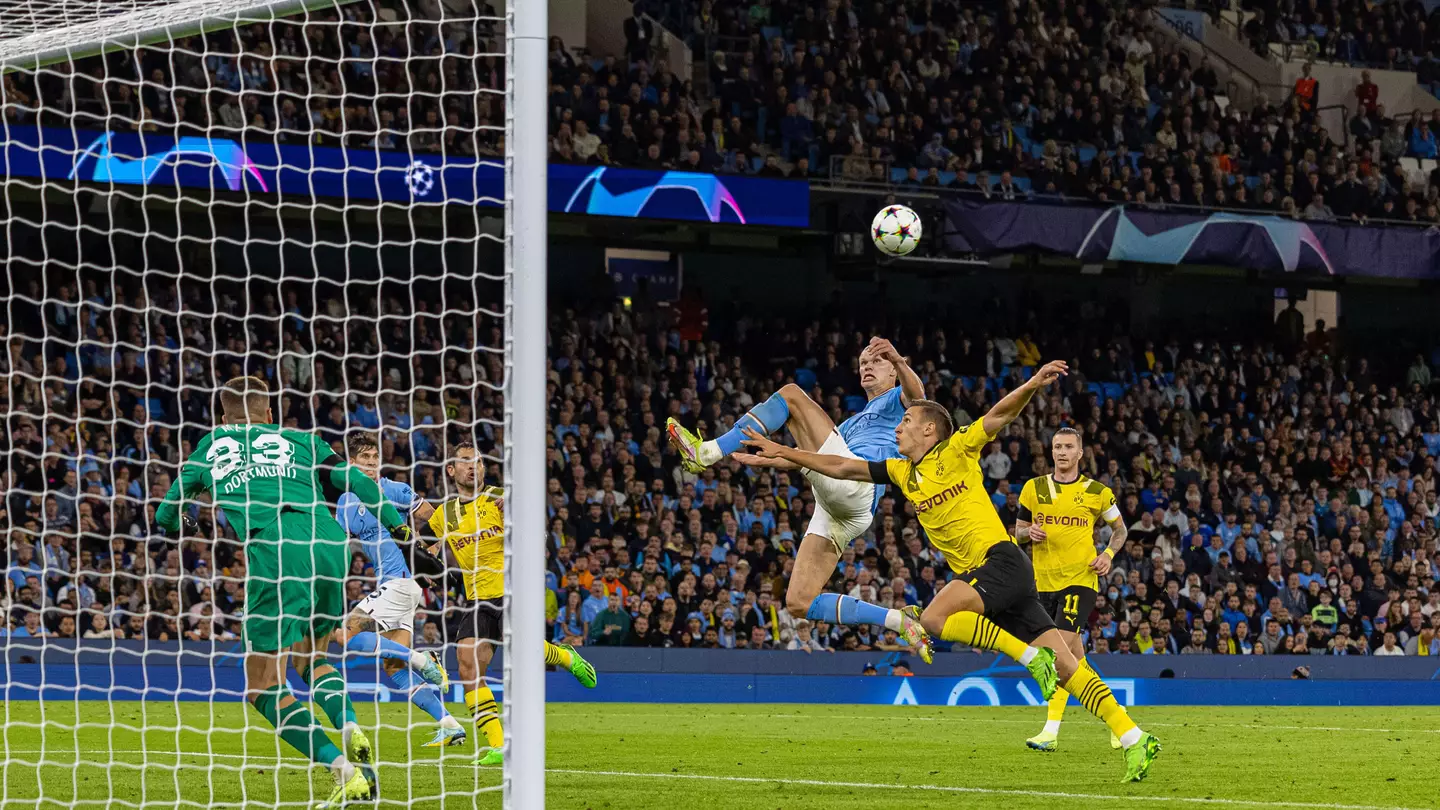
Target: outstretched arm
x=911, y=387
x=846, y=469
x=1014, y=402
x=190, y=483
x=348, y=478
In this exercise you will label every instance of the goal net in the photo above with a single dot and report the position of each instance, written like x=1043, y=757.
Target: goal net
x=344, y=199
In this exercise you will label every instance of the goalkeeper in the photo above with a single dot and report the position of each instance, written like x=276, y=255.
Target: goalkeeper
x=273, y=485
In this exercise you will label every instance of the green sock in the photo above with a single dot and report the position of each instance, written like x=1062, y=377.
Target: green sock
x=296, y=725
x=328, y=691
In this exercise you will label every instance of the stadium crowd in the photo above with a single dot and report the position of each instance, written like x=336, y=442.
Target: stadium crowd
x=1279, y=491
x=1015, y=98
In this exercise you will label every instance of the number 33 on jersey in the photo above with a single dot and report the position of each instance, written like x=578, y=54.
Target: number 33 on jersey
x=253, y=471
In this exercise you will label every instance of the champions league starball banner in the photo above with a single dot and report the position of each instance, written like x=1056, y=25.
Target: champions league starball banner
x=1251, y=241
x=262, y=169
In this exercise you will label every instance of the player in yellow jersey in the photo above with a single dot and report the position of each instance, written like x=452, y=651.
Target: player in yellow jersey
x=992, y=603
x=1058, y=515
x=472, y=526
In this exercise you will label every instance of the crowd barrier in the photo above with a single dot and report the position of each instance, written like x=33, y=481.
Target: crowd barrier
x=66, y=671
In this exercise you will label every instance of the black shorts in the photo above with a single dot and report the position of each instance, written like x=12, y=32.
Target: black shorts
x=1071, y=607
x=477, y=618
x=1006, y=582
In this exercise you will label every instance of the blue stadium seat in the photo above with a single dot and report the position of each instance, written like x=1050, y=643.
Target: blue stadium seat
x=1114, y=390
x=155, y=407
x=854, y=403
x=1086, y=154
x=1097, y=390
x=770, y=32
x=805, y=378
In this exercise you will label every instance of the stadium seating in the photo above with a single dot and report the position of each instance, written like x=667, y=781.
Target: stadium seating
x=733, y=115
x=1346, y=508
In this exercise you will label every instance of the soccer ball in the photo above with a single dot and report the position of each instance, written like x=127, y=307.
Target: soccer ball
x=420, y=178
x=896, y=230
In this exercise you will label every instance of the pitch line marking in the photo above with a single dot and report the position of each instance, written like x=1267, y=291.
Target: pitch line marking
x=1042, y=794
x=760, y=780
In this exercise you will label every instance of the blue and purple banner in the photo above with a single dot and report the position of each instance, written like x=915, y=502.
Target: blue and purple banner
x=1258, y=242
x=266, y=170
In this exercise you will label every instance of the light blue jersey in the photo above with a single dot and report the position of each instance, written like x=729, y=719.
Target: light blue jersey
x=377, y=543
x=870, y=434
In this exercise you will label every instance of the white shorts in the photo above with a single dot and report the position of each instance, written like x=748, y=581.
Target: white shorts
x=393, y=605
x=843, y=509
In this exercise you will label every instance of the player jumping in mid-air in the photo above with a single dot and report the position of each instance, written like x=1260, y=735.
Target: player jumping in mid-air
x=1057, y=516
x=273, y=485
x=992, y=603
x=843, y=509
x=473, y=528
x=391, y=607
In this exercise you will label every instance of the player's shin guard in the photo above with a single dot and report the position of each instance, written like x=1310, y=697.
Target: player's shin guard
x=423, y=695
x=975, y=630
x=841, y=609
x=328, y=691
x=557, y=656
x=765, y=418
x=487, y=714
x=1055, y=710
x=1097, y=699
x=296, y=725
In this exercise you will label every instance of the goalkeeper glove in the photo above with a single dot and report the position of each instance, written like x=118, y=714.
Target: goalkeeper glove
x=188, y=525
x=422, y=562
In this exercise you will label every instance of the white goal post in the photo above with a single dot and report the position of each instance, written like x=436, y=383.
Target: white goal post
x=40, y=35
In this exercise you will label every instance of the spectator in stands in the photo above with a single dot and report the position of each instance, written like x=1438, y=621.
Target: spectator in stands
x=639, y=36
x=611, y=626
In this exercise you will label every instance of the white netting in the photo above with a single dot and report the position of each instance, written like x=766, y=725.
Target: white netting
x=313, y=200
x=44, y=31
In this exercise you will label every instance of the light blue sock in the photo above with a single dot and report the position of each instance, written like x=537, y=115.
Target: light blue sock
x=373, y=643
x=427, y=697
x=839, y=609
x=765, y=418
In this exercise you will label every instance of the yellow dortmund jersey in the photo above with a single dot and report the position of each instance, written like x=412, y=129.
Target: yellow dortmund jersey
x=475, y=532
x=948, y=491
x=1068, y=513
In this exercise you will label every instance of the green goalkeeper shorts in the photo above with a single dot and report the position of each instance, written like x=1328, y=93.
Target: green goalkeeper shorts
x=295, y=583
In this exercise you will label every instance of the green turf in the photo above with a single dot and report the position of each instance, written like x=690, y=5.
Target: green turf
x=767, y=756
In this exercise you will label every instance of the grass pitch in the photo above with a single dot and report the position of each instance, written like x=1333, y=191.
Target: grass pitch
x=698, y=756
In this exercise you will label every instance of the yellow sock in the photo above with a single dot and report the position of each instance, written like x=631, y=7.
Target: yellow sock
x=1055, y=710
x=978, y=631
x=486, y=714
x=557, y=656
x=1095, y=696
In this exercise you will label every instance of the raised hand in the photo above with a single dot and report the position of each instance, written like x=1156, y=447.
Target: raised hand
x=1050, y=372
x=884, y=349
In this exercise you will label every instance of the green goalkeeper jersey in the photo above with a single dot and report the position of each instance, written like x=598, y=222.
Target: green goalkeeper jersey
x=254, y=472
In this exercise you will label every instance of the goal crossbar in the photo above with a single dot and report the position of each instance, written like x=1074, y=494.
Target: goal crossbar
x=36, y=33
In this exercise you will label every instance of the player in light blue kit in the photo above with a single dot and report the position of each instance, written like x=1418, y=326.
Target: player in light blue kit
x=391, y=607
x=843, y=509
